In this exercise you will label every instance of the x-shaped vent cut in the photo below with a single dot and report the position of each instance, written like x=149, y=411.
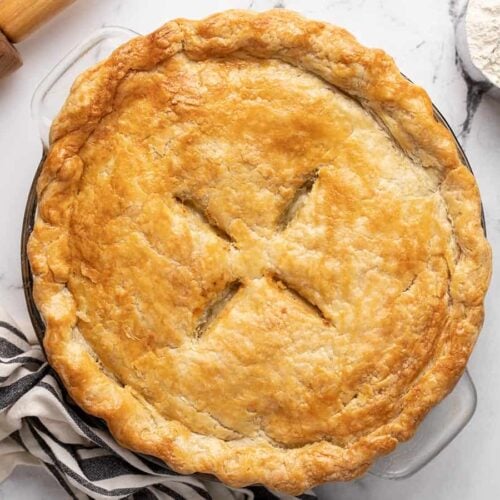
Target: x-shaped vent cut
x=213, y=310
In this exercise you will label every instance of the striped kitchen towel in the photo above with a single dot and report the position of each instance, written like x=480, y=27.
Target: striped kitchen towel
x=39, y=424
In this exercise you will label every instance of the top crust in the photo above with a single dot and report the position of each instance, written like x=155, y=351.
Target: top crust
x=390, y=326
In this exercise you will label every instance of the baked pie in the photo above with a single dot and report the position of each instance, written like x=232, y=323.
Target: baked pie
x=257, y=253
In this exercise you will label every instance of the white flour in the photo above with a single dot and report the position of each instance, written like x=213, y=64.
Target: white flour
x=483, y=35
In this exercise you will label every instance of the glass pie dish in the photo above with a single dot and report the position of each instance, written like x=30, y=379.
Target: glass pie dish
x=442, y=424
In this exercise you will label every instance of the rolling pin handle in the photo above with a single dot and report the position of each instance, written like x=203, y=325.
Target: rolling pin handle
x=10, y=59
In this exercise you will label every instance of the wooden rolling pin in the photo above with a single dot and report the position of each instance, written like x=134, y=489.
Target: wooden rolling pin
x=18, y=19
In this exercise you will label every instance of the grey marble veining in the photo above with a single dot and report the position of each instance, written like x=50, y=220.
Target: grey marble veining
x=420, y=35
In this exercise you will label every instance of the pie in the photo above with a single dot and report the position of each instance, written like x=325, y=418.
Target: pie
x=257, y=252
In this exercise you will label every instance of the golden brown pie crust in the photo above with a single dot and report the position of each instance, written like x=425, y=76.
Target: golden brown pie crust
x=257, y=253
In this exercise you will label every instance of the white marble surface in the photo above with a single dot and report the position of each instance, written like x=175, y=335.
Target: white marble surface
x=420, y=35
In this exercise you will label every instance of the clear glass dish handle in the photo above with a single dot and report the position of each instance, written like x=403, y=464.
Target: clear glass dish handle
x=437, y=430
x=442, y=424
x=53, y=89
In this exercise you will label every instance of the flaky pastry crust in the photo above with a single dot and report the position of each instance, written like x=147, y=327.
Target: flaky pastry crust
x=257, y=253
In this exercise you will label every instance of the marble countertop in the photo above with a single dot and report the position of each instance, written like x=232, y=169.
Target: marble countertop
x=420, y=36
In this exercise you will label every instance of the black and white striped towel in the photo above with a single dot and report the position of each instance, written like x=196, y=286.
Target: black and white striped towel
x=39, y=424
